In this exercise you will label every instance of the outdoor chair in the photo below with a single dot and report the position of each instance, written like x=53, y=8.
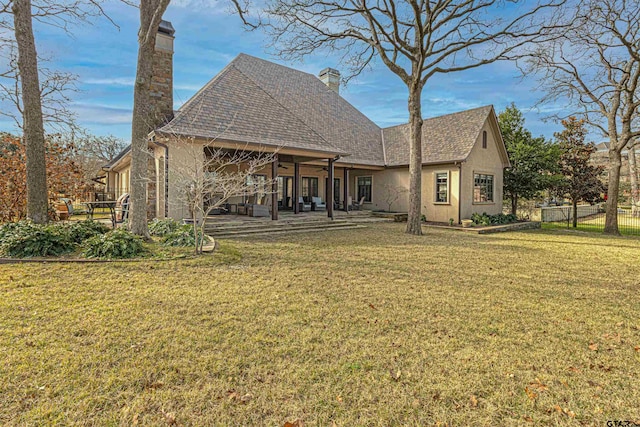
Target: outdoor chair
x=304, y=206
x=358, y=206
x=317, y=204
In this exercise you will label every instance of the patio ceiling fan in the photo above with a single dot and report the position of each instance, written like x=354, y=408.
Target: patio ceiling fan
x=281, y=166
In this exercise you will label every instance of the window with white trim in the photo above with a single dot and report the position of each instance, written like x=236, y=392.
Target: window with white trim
x=442, y=187
x=482, y=188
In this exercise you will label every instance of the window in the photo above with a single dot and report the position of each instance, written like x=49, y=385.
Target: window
x=442, y=187
x=484, y=139
x=364, y=188
x=482, y=188
x=309, y=187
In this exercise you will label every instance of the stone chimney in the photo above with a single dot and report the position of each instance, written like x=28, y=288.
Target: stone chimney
x=161, y=88
x=331, y=78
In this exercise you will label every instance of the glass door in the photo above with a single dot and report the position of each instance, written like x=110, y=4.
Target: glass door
x=285, y=192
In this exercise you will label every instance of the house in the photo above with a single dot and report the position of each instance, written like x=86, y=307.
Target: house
x=326, y=147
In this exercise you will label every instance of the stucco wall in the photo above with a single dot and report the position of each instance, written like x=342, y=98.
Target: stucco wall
x=484, y=161
x=390, y=179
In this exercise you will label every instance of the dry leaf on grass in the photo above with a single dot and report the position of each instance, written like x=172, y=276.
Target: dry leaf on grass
x=538, y=385
x=593, y=346
x=296, y=423
x=395, y=375
x=473, y=401
x=532, y=394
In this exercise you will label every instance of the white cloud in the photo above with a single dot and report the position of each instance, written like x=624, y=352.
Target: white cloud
x=114, y=81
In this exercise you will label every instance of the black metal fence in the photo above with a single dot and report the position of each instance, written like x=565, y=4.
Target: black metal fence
x=589, y=218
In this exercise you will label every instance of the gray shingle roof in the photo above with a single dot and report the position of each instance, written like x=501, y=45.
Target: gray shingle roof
x=445, y=139
x=256, y=101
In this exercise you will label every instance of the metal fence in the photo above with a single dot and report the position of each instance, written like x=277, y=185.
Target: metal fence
x=589, y=218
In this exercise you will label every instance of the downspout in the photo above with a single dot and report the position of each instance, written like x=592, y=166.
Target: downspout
x=459, y=192
x=166, y=175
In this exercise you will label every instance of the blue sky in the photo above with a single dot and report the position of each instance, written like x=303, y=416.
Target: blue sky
x=208, y=36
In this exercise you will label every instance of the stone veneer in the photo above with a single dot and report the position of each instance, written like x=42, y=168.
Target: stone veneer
x=161, y=90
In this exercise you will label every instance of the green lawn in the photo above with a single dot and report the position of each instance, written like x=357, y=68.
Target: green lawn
x=348, y=328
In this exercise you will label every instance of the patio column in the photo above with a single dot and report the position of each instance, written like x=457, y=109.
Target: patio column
x=296, y=188
x=274, y=188
x=345, y=190
x=330, y=190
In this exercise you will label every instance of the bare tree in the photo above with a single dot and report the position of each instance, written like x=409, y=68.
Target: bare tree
x=92, y=151
x=415, y=39
x=207, y=177
x=594, y=65
x=59, y=14
x=143, y=122
x=392, y=194
x=633, y=177
x=55, y=93
x=37, y=202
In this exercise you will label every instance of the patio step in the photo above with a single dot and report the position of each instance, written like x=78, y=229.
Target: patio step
x=253, y=230
x=231, y=226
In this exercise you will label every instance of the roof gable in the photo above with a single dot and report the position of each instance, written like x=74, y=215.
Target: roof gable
x=319, y=107
x=232, y=107
x=445, y=139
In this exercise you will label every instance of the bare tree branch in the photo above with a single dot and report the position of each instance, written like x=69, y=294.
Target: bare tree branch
x=415, y=39
x=593, y=66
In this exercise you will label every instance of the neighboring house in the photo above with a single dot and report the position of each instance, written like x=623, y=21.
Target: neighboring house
x=254, y=104
x=601, y=158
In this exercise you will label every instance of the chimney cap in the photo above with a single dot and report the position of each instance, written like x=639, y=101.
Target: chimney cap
x=329, y=71
x=165, y=27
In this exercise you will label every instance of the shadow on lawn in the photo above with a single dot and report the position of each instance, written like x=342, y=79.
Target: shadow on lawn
x=592, y=238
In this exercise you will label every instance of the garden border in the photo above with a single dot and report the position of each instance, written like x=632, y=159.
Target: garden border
x=208, y=249
x=501, y=228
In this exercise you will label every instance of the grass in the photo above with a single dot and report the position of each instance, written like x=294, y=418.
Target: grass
x=627, y=225
x=360, y=327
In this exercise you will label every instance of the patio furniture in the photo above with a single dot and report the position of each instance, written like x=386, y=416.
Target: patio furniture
x=110, y=204
x=358, y=206
x=304, y=206
x=258, y=211
x=122, y=208
x=317, y=204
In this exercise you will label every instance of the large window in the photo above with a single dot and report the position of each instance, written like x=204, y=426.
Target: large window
x=482, y=188
x=442, y=187
x=309, y=187
x=364, y=188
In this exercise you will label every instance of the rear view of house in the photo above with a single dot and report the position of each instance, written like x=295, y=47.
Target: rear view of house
x=327, y=149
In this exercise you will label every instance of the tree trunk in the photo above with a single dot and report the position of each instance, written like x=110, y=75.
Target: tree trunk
x=575, y=213
x=37, y=198
x=514, y=204
x=414, y=219
x=611, y=220
x=633, y=177
x=142, y=123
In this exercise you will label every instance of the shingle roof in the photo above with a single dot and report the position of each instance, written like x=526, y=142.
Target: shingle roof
x=445, y=139
x=257, y=101
x=232, y=107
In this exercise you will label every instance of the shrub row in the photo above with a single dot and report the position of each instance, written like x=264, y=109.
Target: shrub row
x=486, y=219
x=25, y=239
